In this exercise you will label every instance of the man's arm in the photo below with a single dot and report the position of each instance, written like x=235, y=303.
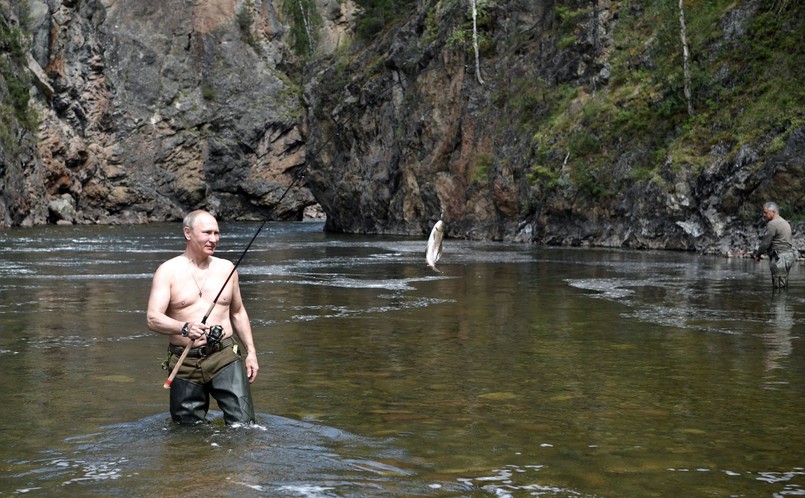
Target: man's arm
x=765, y=243
x=241, y=326
x=158, y=302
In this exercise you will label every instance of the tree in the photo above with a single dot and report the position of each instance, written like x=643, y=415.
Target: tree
x=685, y=57
x=306, y=23
x=303, y=19
x=475, y=43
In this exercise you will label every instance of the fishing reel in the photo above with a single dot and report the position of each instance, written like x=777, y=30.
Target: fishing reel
x=214, y=337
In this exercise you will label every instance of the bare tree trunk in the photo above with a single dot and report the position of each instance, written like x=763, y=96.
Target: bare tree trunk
x=307, y=27
x=475, y=44
x=780, y=5
x=686, y=58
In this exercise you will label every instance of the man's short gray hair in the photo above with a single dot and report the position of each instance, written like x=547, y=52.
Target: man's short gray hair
x=190, y=219
x=771, y=206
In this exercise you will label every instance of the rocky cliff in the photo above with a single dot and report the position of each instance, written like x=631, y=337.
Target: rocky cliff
x=576, y=131
x=151, y=108
x=579, y=124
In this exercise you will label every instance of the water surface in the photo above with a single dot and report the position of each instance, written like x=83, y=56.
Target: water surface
x=518, y=371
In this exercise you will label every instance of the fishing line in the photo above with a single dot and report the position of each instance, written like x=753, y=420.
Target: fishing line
x=340, y=125
x=175, y=370
x=298, y=176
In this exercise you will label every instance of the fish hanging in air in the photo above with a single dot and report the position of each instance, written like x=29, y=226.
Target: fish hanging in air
x=434, y=251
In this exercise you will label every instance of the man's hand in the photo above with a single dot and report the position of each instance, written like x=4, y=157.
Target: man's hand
x=251, y=366
x=196, y=331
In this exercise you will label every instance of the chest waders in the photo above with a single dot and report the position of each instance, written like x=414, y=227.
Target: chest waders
x=221, y=376
x=780, y=265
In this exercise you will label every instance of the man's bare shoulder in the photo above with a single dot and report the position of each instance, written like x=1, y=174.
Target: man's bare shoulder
x=222, y=264
x=172, y=263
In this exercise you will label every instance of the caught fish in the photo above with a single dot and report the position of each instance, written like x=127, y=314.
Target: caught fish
x=434, y=251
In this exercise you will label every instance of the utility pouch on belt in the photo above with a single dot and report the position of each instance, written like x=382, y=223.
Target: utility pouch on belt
x=202, y=351
x=202, y=369
x=167, y=361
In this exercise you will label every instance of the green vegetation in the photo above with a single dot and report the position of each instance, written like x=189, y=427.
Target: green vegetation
x=208, y=92
x=15, y=82
x=245, y=19
x=304, y=20
x=483, y=168
x=461, y=36
x=744, y=89
x=377, y=15
x=569, y=20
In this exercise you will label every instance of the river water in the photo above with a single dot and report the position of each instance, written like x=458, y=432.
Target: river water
x=518, y=371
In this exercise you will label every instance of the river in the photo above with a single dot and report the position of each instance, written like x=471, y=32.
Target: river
x=518, y=371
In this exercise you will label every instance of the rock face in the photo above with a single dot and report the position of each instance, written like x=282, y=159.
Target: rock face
x=151, y=108
x=158, y=107
x=408, y=135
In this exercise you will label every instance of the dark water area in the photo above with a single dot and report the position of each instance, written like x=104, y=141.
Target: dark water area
x=518, y=371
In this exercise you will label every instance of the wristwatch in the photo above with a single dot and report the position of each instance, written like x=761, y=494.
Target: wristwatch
x=185, y=329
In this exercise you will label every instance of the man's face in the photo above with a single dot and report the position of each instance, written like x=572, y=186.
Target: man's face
x=768, y=214
x=204, y=235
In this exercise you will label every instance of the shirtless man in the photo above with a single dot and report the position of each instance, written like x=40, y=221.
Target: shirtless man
x=182, y=291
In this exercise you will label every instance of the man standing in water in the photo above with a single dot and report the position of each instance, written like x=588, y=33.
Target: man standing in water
x=778, y=244
x=182, y=291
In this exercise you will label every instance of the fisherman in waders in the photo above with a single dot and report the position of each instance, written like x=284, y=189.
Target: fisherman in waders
x=778, y=244
x=183, y=288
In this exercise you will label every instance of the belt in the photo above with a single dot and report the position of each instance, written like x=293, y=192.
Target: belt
x=202, y=351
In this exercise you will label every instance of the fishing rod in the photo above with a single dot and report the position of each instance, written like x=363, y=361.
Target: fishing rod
x=187, y=348
x=297, y=177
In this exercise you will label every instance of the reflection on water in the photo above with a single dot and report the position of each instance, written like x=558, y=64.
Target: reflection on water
x=519, y=371
x=778, y=338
